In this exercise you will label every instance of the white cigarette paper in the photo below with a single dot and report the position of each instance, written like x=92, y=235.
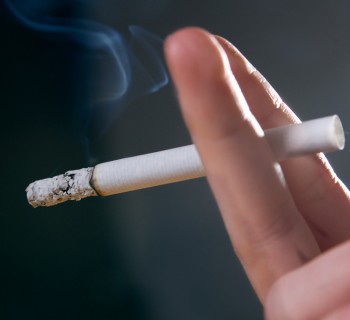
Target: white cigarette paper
x=179, y=164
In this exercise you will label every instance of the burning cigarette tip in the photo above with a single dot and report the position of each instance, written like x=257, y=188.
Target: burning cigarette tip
x=72, y=185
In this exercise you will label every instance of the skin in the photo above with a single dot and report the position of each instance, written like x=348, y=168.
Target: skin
x=289, y=223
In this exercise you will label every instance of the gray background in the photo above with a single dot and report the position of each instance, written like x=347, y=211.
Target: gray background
x=160, y=253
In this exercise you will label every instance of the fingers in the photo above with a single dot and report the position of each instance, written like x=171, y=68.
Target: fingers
x=318, y=290
x=318, y=193
x=264, y=225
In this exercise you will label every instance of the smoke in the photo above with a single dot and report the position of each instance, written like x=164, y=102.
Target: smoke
x=131, y=62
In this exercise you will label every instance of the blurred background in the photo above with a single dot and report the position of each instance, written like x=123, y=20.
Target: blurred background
x=75, y=93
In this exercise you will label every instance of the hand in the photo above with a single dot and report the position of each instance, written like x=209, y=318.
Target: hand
x=288, y=223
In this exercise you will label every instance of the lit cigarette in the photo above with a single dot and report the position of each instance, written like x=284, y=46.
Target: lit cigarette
x=179, y=164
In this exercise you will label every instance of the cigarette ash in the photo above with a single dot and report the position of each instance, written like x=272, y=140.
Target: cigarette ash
x=72, y=185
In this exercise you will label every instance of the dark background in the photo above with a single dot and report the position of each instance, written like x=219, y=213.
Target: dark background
x=160, y=253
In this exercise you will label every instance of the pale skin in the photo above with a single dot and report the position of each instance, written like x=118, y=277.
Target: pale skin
x=289, y=223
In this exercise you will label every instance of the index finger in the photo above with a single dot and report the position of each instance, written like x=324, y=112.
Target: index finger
x=259, y=213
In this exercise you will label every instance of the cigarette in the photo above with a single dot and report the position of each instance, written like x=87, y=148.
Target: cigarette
x=178, y=164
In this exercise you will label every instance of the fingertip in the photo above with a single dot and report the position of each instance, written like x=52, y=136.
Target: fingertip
x=193, y=53
x=185, y=39
x=175, y=40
